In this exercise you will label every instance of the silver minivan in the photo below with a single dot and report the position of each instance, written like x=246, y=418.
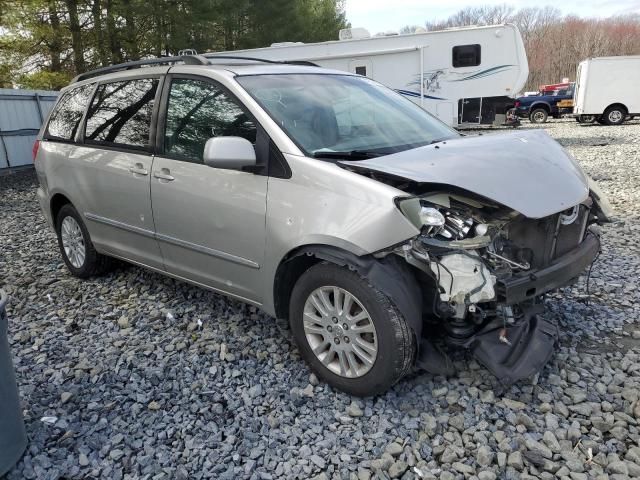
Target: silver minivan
x=324, y=198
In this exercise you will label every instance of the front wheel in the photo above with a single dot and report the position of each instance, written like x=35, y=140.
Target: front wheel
x=539, y=115
x=349, y=332
x=76, y=247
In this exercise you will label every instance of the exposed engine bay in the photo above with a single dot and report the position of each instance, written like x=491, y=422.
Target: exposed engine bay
x=503, y=219
x=490, y=267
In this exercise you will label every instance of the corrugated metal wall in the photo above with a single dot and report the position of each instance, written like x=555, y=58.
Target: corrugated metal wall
x=21, y=115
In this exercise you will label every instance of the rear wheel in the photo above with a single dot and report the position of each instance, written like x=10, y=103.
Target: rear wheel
x=614, y=115
x=539, y=115
x=75, y=244
x=350, y=333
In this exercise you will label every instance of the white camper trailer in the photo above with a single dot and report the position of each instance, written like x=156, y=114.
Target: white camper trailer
x=464, y=76
x=607, y=89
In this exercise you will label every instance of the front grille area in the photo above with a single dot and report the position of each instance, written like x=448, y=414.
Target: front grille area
x=543, y=240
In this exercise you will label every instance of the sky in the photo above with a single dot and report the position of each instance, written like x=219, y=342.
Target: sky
x=382, y=15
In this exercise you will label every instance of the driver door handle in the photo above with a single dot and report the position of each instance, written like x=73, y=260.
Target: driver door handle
x=139, y=169
x=164, y=174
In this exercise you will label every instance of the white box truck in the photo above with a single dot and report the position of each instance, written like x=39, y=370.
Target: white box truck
x=464, y=76
x=607, y=89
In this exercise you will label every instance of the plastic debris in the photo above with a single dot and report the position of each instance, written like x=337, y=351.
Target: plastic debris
x=418, y=472
x=49, y=420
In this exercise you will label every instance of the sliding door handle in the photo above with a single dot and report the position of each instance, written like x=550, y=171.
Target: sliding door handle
x=163, y=174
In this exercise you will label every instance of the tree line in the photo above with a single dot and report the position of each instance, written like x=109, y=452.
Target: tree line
x=554, y=43
x=44, y=43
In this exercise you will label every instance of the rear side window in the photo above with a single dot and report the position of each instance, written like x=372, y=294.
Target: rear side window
x=120, y=113
x=65, y=118
x=466, y=56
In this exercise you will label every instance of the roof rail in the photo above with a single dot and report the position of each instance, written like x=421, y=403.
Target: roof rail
x=186, y=59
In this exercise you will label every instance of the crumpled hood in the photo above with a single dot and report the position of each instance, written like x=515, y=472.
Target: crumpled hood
x=527, y=171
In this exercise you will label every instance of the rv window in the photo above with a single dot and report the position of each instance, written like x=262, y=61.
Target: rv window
x=361, y=71
x=466, y=56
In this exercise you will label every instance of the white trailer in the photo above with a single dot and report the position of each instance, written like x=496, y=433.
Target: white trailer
x=607, y=89
x=464, y=76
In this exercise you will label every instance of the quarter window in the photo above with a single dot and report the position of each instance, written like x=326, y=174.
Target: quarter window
x=67, y=115
x=197, y=111
x=466, y=56
x=120, y=113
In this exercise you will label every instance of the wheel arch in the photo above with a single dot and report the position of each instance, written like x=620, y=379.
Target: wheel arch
x=543, y=105
x=58, y=200
x=618, y=104
x=390, y=275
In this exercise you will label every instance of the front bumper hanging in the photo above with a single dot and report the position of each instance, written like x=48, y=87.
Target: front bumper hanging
x=528, y=347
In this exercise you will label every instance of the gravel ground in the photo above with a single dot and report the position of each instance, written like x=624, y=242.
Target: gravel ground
x=146, y=377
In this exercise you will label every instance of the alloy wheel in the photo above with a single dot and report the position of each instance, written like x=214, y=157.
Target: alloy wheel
x=73, y=242
x=340, y=331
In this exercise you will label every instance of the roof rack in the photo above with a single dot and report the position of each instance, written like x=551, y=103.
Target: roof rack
x=186, y=59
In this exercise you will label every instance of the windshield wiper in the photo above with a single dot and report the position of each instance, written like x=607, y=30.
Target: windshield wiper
x=438, y=140
x=351, y=155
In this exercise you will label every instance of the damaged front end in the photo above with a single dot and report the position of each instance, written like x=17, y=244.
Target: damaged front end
x=485, y=269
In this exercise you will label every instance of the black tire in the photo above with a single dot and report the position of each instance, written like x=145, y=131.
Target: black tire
x=614, y=115
x=396, y=341
x=539, y=115
x=586, y=119
x=600, y=119
x=94, y=263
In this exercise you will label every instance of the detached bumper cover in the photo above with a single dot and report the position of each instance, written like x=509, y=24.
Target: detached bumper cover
x=531, y=344
x=557, y=274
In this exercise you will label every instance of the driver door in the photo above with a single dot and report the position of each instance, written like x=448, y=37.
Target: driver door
x=210, y=223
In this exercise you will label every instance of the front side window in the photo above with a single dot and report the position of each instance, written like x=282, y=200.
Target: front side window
x=120, y=113
x=65, y=118
x=466, y=56
x=198, y=110
x=344, y=115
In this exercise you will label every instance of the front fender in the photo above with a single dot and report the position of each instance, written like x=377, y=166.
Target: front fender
x=325, y=204
x=391, y=275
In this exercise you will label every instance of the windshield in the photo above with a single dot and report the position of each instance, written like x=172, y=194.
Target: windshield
x=334, y=116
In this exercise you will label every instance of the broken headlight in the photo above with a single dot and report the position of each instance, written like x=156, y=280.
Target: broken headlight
x=431, y=219
x=436, y=221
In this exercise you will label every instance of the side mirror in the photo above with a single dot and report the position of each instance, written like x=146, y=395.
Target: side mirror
x=230, y=153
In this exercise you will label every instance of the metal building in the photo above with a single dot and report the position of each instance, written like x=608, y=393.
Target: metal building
x=21, y=115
